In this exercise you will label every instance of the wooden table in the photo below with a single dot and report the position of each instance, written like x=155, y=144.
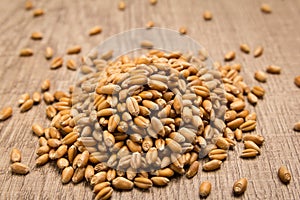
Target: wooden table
x=67, y=22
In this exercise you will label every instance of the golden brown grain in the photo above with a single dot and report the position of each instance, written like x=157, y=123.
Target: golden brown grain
x=36, y=36
x=104, y=193
x=149, y=24
x=265, y=8
x=222, y=143
x=100, y=186
x=28, y=5
x=38, y=12
x=251, y=145
x=153, y=2
x=204, y=189
x=229, y=56
x=160, y=181
x=297, y=81
x=245, y=48
x=48, y=98
x=182, y=30
x=50, y=111
x=258, y=51
x=19, y=168
x=249, y=125
x=107, y=55
x=48, y=53
x=121, y=5
x=249, y=153
x=122, y=183
x=193, y=169
x=252, y=98
x=43, y=149
x=95, y=30
x=6, y=113
x=74, y=49
x=260, y=76
x=284, y=175
x=24, y=97
x=67, y=174
x=207, y=15
x=297, y=126
x=258, y=91
x=71, y=64
x=26, y=52
x=62, y=163
x=78, y=175
x=36, y=97
x=27, y=105
x=238, y=134
x=212, y=165
x=56, y=63
x=45, y=86
x=273, y=69
x=257, y=139
x=43, y=159
x=146, y=44
x=240, y=186
x=143, y=183
x=15, y=155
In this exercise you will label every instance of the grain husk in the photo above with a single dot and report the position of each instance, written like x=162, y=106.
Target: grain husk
x=258, y=51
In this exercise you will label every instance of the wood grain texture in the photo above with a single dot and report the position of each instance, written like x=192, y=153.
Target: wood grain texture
x=66, y=23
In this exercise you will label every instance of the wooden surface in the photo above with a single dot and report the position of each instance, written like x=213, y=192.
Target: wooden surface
x=66, y=23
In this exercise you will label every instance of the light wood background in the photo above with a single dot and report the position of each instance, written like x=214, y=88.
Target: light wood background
x=66, y=23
